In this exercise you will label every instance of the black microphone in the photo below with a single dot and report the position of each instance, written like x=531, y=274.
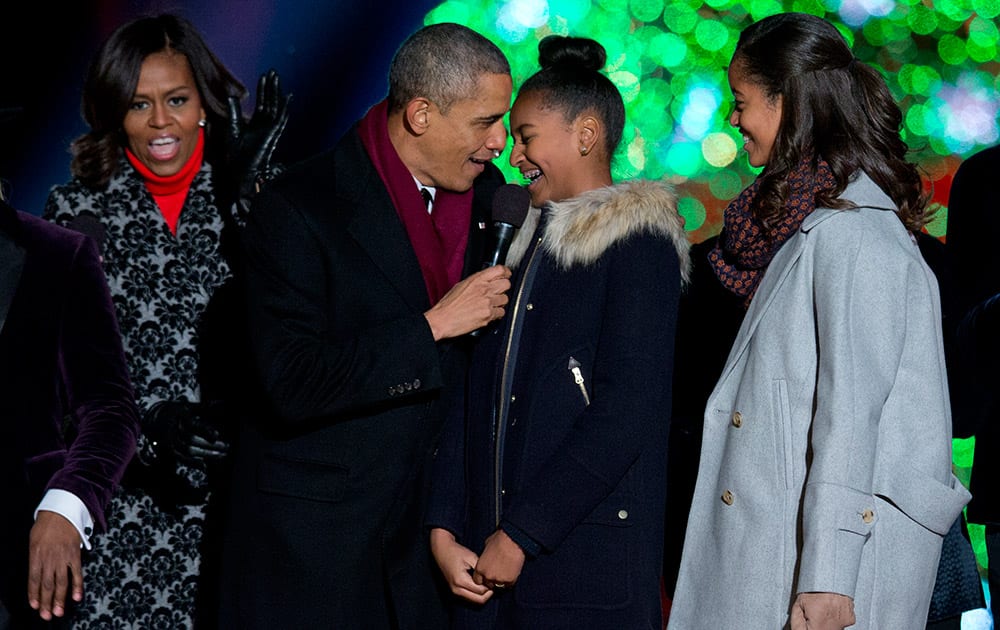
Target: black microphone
x=510, y=207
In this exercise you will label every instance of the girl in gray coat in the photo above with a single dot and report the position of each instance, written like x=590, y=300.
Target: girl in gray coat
x=825, y=485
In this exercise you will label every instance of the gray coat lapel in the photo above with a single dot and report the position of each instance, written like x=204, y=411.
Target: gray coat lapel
x=774, y=276
x=863, y=192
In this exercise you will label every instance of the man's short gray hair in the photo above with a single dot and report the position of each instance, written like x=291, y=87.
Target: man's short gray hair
x=443, y=63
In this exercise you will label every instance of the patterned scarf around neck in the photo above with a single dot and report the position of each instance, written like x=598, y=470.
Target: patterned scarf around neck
x=439, y=239
x=745, y=248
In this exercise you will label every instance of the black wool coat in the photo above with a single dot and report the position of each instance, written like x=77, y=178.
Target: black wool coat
x=328, y=495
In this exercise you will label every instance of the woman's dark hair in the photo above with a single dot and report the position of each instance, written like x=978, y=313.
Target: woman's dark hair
x=834, y=107
x=570, y=81
x=114, y=74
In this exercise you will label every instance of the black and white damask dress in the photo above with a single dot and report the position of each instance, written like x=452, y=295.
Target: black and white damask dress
x=143, y=572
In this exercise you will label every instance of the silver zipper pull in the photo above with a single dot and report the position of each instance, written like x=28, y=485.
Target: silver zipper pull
x=574, y=367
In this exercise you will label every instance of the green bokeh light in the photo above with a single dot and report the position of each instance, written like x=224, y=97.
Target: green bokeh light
x=667, y=50
x=613, y=5
x=456, y=11
x=571, y=12
x=725, y=184
x=680, y=18
x=982, y=53
x=925, y=80
x=650, y=106
x=711, y=36
x=815, y=7
x=987, y=9
x=646, y=10
x=684, y=158
x=962, y=451
x=760, y=9
x=952, y=50
x=693, y=212
x=922, y=20
x=983, y=32
x=627, y=83
x=939, y=223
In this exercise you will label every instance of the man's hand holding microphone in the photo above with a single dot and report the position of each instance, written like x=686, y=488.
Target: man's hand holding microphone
x=480, y=299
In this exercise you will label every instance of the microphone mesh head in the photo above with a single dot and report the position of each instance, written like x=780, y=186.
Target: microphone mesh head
x=510, y=204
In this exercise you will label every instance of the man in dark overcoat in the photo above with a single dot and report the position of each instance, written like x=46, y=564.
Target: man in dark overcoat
x=359, y=315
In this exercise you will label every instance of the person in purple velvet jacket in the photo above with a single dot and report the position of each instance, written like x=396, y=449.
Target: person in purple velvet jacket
x=68, y=420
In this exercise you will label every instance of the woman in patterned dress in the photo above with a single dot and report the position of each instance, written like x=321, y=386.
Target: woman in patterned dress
x=144, y=186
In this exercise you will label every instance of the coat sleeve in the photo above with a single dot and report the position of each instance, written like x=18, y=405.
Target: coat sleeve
x=99, y=392
x=311, y=364
x=881, y=424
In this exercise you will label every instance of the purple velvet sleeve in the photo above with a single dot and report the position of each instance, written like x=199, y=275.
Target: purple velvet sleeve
x=99, y=392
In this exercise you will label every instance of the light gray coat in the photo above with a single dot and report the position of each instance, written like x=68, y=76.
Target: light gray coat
x=826, y=455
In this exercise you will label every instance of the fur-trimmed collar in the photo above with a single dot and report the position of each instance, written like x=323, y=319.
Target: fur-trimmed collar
x=581, y=229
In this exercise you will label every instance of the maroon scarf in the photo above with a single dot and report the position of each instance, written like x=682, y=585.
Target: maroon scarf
x=439, y=239
x=745, y=248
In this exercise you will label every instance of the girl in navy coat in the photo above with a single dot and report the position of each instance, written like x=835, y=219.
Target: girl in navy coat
x=549, y=482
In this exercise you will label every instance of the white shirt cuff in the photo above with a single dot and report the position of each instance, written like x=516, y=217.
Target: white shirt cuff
x=69, y=506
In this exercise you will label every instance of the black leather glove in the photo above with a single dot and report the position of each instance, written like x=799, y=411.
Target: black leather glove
x=250, y=144
x=188, y=431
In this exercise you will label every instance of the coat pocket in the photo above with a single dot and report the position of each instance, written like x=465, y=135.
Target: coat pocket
x=590, y=569
x=784, y=454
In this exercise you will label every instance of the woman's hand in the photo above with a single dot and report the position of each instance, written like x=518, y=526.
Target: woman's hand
x=250, y=144
x=456, y=563
x=501, y=562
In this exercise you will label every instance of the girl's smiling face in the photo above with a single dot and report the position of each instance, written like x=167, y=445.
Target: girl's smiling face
x=546, y=150
x=756, y=116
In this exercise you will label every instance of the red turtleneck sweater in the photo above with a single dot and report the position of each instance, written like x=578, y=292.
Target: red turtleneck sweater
x=169, y=192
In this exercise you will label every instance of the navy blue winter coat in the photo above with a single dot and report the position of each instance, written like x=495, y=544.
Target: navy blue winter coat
x=563, y=435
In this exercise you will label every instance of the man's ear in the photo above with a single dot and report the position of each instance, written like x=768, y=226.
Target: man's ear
x=417, y=111
x=588, y=131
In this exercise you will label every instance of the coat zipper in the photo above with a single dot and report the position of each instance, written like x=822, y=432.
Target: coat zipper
x=574, y=367
x=502, y=411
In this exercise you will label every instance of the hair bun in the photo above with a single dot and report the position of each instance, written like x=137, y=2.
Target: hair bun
x=579, y=52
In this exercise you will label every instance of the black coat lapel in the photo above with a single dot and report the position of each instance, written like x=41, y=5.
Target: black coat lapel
x=376, y=226
x=384, y=237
